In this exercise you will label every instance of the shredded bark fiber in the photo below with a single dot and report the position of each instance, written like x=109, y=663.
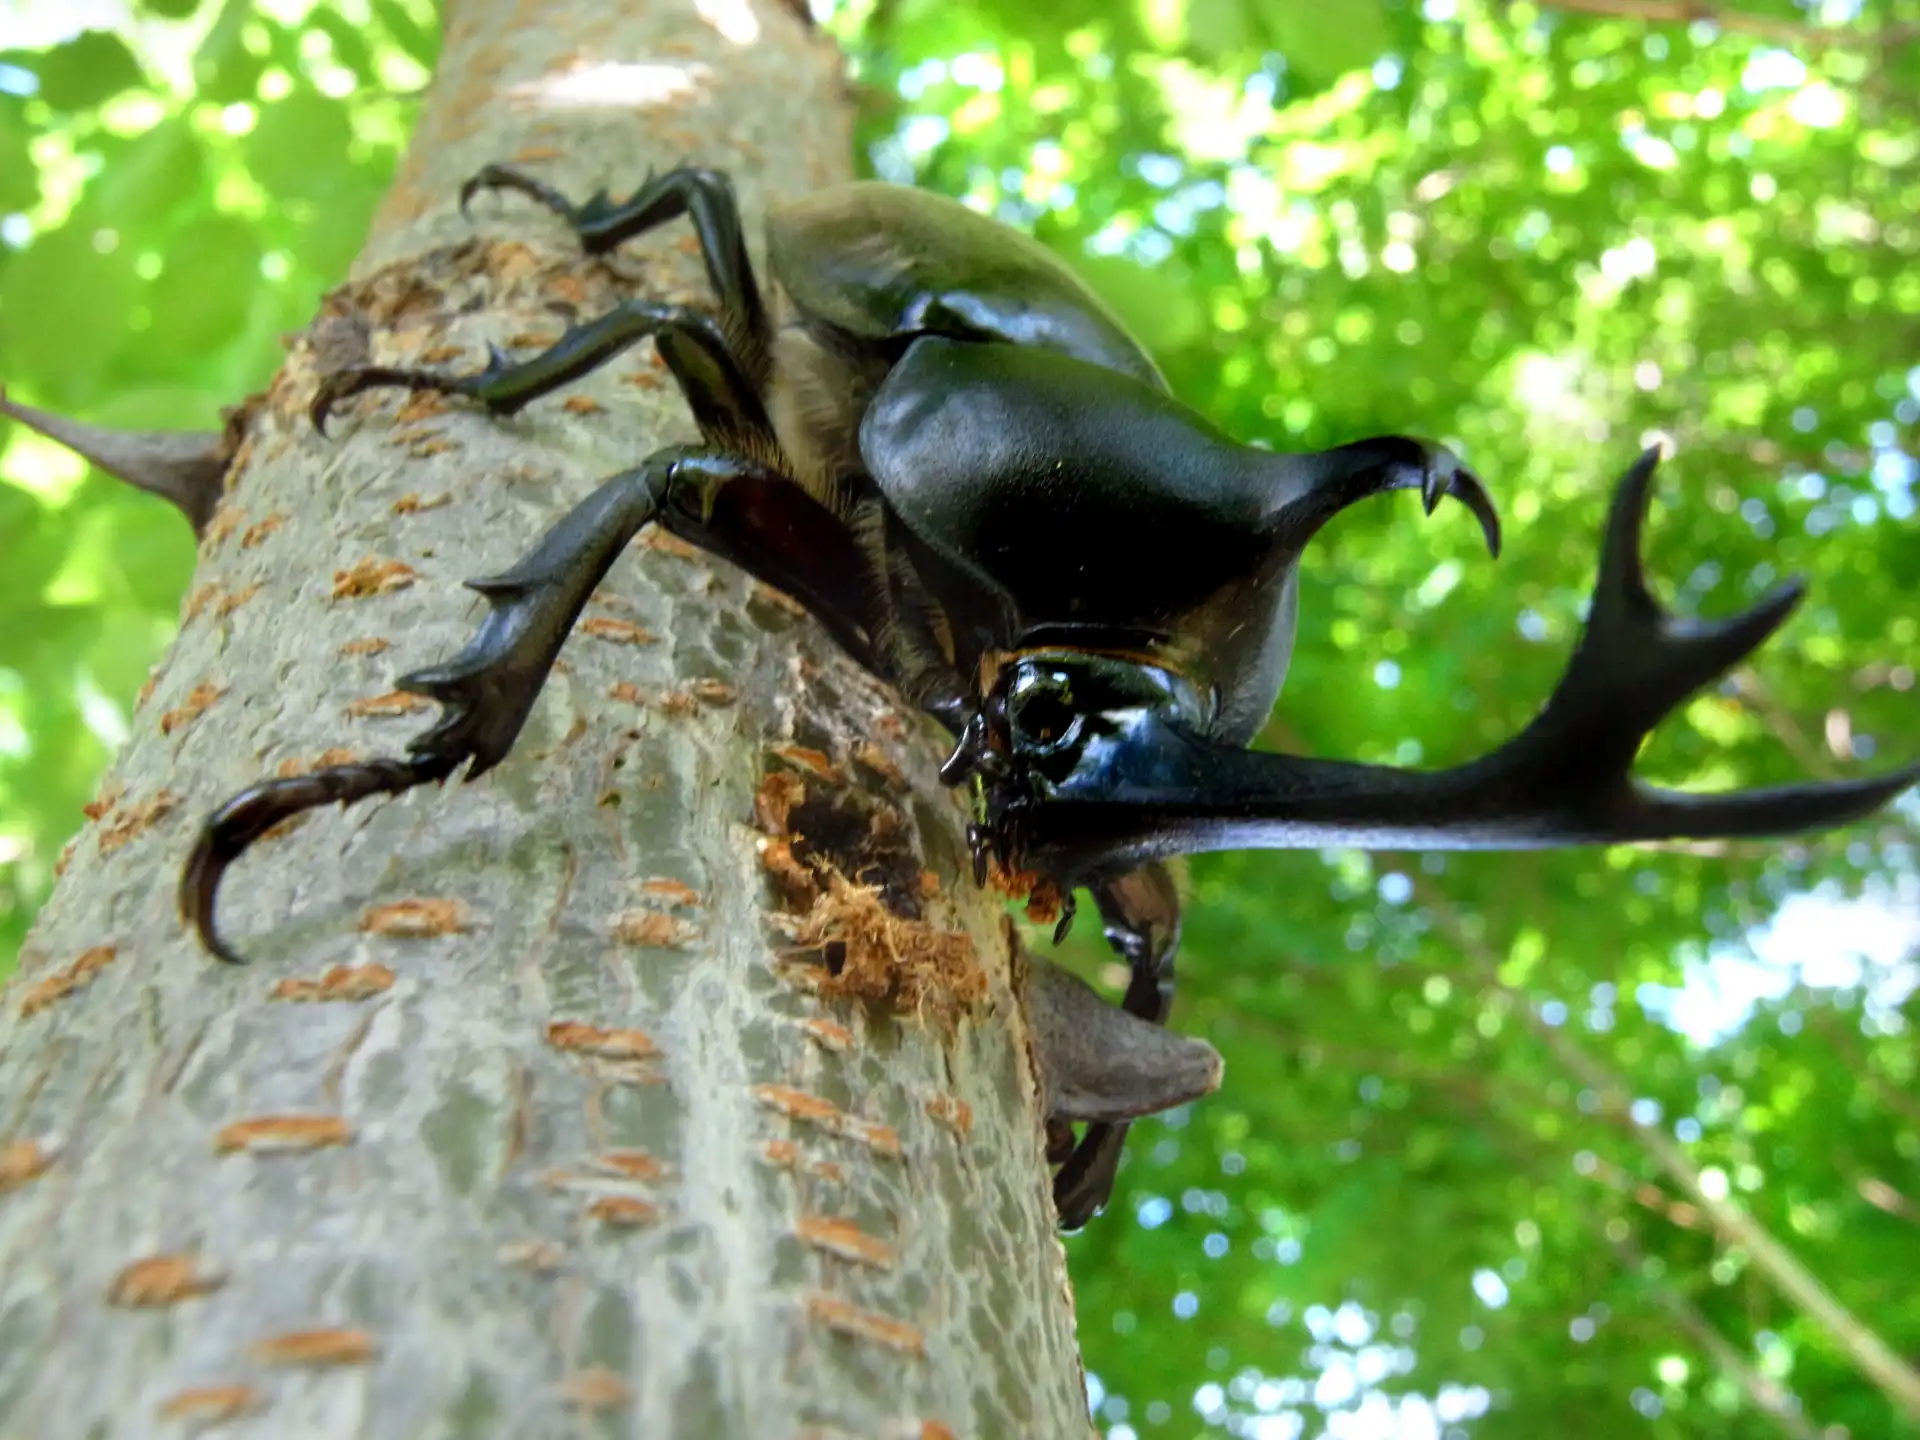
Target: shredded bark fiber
x=850, y=882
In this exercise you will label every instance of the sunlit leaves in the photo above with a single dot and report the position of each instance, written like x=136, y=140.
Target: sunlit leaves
x=157, y=241
x=66, y=301
x=84, y=72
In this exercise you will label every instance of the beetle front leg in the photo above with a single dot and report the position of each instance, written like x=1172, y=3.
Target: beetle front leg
x=737, y=506
x=704, y=196
x=1140, y=914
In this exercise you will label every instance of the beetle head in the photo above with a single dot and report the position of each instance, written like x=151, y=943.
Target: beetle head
x=1064, y=718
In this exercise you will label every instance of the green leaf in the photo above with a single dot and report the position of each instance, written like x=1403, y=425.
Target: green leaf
x=171, y=9
x=421, y=44
x=1219, y=28
x=224, y=68
x=1324, y=41
x=299, y=148
x=1160, y=311
x=67, y=309
x=205, y=289
x=93, y=66
x=148, y=176
x=19, y=177
x=350, y=47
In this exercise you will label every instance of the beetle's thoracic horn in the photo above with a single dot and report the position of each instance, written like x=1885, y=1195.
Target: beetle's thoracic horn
x=1311, y=489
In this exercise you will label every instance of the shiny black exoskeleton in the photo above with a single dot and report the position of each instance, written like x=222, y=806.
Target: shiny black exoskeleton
x=946, y=448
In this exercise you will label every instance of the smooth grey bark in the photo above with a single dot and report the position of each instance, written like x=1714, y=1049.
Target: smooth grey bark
x=571, y=1146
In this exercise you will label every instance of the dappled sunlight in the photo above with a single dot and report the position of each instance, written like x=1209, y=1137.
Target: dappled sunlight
x=613, y=85
x=733, y=19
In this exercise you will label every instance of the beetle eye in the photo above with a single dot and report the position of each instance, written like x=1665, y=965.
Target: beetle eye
x=1042, y=713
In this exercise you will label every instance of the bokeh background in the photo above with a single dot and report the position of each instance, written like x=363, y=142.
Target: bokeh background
x=1509, y=1145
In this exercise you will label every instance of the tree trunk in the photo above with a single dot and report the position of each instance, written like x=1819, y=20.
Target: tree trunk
x=581, y=1138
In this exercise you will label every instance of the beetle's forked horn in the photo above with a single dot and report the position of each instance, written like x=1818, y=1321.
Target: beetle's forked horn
x=1564, y=780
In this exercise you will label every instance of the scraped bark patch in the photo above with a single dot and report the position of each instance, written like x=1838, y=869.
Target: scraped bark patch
x=24, y=1160
x=370, y=645
x=129, y=822
x=608, y=1044
x=215, y=601
x=665, y=542
x=955, y=1114
x=651, y=928
x=883, y=1330
x=625, y=1211
x=800, y=1105
x=315, y=1348
x=325, y=760
x=273, y=1134
x=65, y=981
x=629, y=1164
x=191, y=708
x=394, y=702
x=674, y=892
x=372, y=576
x=846, y=1240
x=813, y=761
x=342, y=982
x=415, y=919
x=828, y=1035
x=594, y=1387
x=542, y=1257
x=212, y=1404
x=616, y=631
x=161, y=1280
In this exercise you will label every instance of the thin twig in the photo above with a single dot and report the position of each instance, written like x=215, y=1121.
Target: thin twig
x=1872, y=1355
x=1763, y=1390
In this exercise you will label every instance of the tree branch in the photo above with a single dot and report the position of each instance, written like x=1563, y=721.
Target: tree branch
x=1741, y=22
x=1872, y=1355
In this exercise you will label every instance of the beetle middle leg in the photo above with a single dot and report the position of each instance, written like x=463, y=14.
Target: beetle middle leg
x=738, y=507
x=695, y=346
x=1140, y=915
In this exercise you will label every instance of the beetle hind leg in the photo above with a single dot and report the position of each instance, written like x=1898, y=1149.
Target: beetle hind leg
x=736, y=506
x=485, y=692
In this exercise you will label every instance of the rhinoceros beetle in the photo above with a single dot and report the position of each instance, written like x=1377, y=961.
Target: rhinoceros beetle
x=955, y=456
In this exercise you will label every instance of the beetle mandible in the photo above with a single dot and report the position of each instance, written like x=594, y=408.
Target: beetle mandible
x=942, y=444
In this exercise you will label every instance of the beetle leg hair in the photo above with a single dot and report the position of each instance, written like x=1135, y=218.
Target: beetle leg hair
x=704, y=196
x=1140, y=915
x=1564, y=780
x=695, y=346
x=736, y=506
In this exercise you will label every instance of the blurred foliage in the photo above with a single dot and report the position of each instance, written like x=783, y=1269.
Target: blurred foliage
x=1455, y=1183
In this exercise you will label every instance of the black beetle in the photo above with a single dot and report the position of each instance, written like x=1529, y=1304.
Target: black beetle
x=954, y=455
